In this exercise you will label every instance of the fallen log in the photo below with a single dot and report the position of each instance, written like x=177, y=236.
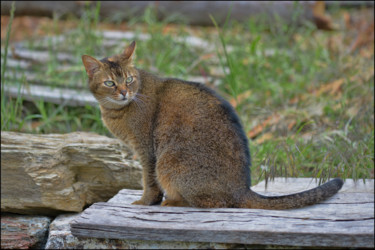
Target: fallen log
x=193, y=12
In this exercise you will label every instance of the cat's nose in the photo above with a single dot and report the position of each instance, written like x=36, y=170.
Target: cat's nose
x=123, y=92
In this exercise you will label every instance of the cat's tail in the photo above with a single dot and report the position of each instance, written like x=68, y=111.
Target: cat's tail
x=297, y=200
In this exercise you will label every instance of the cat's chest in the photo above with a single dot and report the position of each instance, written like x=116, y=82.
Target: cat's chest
x=126, y=127
x=118, y=125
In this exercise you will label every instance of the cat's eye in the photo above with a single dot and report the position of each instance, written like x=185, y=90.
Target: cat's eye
x=109, y=83
x=129, y=79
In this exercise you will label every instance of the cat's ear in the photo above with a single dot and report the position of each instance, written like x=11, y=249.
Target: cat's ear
x=129, y=52
x=91, y=64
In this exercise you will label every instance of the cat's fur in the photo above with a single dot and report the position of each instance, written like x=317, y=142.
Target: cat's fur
x=189, y=139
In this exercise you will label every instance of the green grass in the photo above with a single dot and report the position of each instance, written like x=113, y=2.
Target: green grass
x=322, y=133
x=10, y=114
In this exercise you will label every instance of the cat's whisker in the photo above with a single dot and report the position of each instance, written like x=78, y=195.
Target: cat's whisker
x=106, y=100
x=143, y=98
x=140, y=104
x=142, y=95
x=103, y=101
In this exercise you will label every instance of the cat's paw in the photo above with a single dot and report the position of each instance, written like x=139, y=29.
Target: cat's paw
x=174, y=203
x=167, y=203
x=139, y=202
x=147, y=202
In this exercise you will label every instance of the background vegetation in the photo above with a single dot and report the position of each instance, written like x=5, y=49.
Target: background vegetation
x=305, y=95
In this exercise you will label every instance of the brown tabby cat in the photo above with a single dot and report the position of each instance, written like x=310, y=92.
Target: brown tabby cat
x=189, y=139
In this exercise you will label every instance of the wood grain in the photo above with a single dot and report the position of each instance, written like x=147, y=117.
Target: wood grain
x=345, y=220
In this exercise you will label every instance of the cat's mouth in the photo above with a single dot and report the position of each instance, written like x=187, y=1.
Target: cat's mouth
x=123, y=101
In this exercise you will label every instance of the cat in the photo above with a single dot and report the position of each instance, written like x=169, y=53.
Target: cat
x=189, y=140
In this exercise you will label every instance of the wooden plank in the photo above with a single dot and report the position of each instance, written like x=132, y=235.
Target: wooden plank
x=345, y=220
x=191, y=41
x=68, y=97
x=40, y=56
x=224, y=226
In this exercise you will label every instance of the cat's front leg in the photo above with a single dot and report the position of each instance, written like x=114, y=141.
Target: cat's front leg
x=152, y=193
x=151, y=196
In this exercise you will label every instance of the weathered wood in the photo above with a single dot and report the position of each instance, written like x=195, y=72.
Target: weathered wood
x=345, y=220
x=60, y=237
x=68, y=97
x=63, y=172
x=195, y=13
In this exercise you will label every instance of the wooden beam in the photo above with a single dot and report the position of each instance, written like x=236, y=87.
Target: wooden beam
x=68, y=97
x=194, y=13
x=346, y=220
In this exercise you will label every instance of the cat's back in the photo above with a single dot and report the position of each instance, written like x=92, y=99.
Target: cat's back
x=195, y=120
x=194, y=104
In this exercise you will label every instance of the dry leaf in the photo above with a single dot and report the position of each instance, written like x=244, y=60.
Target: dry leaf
x=207, y=56
x=263, y=138
x=273, y=119
x=291, y=124
x=365, y=36
x=331, y=88
x=240, y=98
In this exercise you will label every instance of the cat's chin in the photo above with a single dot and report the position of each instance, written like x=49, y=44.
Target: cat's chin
x=114, y=104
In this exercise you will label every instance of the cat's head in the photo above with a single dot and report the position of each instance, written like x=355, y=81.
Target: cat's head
x=113, y=80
